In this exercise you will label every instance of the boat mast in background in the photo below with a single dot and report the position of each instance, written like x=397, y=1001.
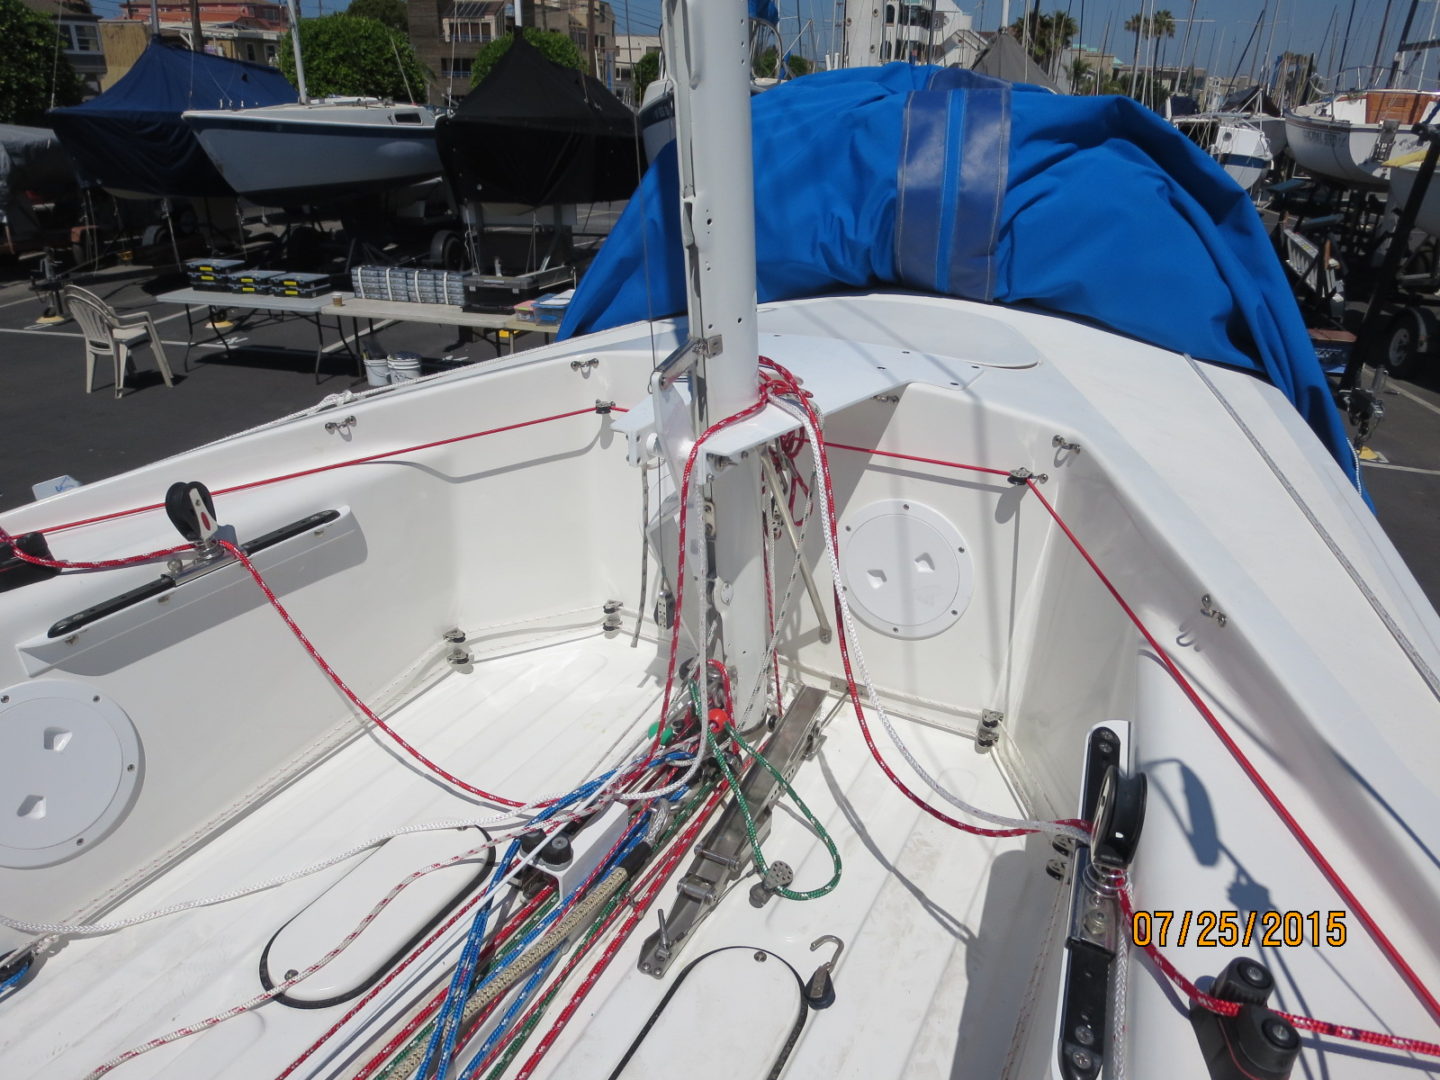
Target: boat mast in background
x=1404, y=46
x=295, y=44
x=707, y=45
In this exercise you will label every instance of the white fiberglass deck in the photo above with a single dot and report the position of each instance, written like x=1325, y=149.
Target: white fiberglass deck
x=922, y=912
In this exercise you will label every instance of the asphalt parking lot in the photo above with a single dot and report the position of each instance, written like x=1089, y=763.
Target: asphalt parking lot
x=49, y=427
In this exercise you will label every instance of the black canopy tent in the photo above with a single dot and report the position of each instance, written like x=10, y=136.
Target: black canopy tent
x=539, y=134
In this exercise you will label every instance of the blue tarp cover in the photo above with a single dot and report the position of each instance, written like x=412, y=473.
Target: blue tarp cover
x=944, y=181
x=131, y=137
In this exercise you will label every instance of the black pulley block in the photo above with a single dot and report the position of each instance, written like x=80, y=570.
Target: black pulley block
x=1119, y=816
x=192, y=523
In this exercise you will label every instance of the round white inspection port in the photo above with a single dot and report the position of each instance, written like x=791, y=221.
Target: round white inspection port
x=907, y=570
x=69, y=768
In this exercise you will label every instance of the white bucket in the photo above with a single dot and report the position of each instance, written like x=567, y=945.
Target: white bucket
x=377, y=370
x=404, y=367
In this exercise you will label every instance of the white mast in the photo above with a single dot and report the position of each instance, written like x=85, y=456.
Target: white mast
x=295, y=42
x=864, y=33
x=707, y=46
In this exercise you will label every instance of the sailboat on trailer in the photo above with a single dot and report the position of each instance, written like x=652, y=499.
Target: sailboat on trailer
x=318, y=151
x=873, y=682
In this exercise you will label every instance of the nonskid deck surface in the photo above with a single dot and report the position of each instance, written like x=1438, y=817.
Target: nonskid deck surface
x=922, y=912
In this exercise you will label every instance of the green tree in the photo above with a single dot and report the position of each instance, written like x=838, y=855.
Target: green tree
x=1162, y=26
x=555, y=47
x=1139, y=25
x=390, y=12
x=33, y=70
x=765, y=65
x=1158, y=25
x=1045, y=36
x=351, y=55
x=647, y=70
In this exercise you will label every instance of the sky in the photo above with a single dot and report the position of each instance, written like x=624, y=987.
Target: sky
x=1221, y=27
x=1219, y=33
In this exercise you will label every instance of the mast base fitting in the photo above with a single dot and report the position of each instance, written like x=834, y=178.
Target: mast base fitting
x=1254, y=1044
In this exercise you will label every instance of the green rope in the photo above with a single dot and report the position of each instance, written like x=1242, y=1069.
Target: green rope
x=760, y=864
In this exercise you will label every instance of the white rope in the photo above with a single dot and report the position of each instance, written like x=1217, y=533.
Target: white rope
x=1120, y=973
x=112, y=926
x=596, y=800
x=280, y=988
x=1052, y=828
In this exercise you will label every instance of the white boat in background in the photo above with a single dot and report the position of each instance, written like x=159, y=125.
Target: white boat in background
x=322, y=150
x=1348, y=138
x=1237, y=142
x=272, y=832
x=319, y=151
x=1402, y=183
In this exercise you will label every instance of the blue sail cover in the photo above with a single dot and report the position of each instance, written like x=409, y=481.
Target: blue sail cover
x=131, y=137
x=944, y=181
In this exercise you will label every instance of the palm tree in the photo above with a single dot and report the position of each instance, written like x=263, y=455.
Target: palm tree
x=1138, y=24
x=1046, y=35
x=1162, y=26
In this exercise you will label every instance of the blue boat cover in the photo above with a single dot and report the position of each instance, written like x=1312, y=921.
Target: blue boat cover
x=766, y=10
x=131, y=137
x=945, y=181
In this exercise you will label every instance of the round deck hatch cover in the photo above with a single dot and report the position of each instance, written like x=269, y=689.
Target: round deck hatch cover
x=906, y=569
x=69, y=768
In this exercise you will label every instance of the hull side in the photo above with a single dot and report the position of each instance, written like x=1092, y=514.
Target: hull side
x=276, y=161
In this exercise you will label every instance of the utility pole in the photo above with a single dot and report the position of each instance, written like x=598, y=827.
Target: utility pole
x=590, y=36
x=197, y=39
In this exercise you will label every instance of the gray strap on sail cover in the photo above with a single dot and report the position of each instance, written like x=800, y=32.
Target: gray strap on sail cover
x=953, y=170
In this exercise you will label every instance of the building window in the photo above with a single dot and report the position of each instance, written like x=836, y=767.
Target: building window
x=467, y=30
x=84, y=37
x=249, y=51
x=457, y=68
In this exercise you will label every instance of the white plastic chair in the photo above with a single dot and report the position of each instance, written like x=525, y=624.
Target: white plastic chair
x=109, y=334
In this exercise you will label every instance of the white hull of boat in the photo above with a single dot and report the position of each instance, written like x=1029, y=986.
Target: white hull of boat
x=1402, y=183
x=1335, y=140
x=287, y=154
x=1236, y=141
x=252, y=765
x=1243, y=152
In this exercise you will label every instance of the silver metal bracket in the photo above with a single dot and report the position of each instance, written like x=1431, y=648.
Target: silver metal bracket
x=987, y=734
x=1210, y=611
x=679, y=362
x=1061, y=443
x=585, y=366
x=209, y=556
x=333, y=426
x=1019, y=477
x=722, y=855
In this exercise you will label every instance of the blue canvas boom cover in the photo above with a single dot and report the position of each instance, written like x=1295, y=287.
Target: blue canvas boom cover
x=944, y=181
x=131, y=137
